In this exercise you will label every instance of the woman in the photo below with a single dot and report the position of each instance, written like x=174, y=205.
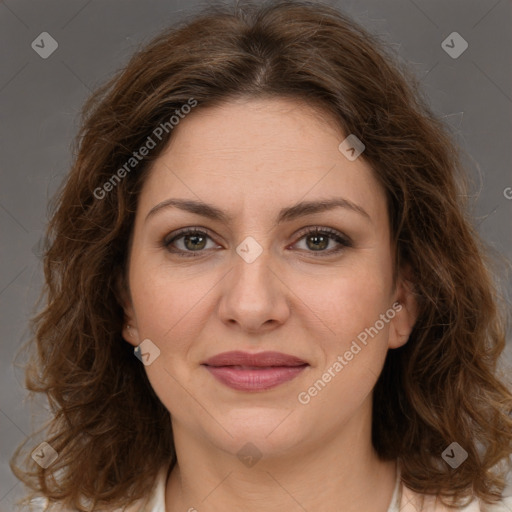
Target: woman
x=265, y=212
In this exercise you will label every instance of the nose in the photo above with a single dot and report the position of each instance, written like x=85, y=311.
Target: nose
x=254, y=298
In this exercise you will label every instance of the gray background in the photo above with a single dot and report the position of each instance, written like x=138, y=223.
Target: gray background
x=40, y=99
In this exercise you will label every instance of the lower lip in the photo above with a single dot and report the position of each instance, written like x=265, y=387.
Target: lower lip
x=254, y=380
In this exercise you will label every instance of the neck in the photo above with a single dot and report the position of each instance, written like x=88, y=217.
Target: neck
x=341, y=473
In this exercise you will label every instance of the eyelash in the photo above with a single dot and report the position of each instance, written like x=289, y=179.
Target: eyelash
x=343, y=240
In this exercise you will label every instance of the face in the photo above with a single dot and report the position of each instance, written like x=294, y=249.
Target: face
x=262, y=270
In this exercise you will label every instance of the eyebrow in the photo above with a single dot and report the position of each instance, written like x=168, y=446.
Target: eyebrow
x=285, y=214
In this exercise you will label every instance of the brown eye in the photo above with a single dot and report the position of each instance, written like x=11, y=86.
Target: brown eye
x=194, y=242
x=319, y=239
x=188, y=241
x=316, y=242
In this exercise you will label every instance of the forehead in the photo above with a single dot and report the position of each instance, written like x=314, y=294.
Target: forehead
x=259, y=153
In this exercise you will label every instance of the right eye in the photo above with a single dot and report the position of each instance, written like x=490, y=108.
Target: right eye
x=187, y=241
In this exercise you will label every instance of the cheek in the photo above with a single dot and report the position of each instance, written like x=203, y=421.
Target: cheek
x=352, y=300
x=168, y=313
x=353, y=354
x=165, y=300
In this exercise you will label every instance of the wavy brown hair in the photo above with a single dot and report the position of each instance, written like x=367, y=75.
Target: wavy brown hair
x=442, y=386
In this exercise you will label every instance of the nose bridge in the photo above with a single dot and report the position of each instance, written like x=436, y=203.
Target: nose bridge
x=252, y=274
x=253, y=294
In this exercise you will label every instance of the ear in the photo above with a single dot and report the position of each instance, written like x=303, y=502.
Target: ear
x=406, y=310
x=129, y=330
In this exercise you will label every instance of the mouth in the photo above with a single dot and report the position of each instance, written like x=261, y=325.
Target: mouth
x=244, y=371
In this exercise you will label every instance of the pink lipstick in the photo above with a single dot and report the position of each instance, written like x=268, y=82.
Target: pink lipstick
x=244, y=371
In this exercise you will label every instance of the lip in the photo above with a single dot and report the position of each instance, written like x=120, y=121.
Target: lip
x=246, y=371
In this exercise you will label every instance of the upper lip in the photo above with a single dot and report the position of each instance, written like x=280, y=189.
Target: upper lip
x=263, y=359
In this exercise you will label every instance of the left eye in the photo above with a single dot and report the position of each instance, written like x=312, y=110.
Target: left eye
x=318, y=239
x=196, y=241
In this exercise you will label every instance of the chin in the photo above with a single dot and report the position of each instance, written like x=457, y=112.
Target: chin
x=270, y=430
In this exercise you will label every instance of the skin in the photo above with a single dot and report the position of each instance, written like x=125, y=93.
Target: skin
x=250, y=158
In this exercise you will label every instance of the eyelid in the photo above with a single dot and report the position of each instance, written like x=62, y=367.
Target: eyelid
x=344, y=242
x=186, y=231
x=308, y=230
x=180, y=233
x=339, y=237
